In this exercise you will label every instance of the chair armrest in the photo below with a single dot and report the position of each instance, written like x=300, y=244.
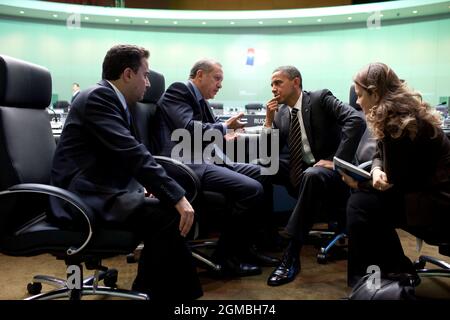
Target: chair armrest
x=65, y=195
x=182, y=174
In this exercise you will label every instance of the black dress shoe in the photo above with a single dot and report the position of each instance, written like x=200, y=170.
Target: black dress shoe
x=286, y=271
x=258, y=258
x=234, y=267
x=139, y=287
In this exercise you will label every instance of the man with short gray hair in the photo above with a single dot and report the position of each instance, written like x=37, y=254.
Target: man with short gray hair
x=185, y=106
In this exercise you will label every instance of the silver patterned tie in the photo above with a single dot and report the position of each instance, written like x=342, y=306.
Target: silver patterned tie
x=296, y=164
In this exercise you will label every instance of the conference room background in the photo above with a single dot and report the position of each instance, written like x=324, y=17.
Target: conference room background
x=328, y=55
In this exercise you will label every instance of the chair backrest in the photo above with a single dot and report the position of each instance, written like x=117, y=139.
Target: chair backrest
x=61, y=104
x=367, y=145
x=253, y=107
x=217, y=108
x=26, y=140
x=145, y=112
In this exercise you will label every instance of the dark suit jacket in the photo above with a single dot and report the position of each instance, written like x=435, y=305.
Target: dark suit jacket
x=74, y=96
x=180, y=110
x=333, y=128
x=99, y=158
x=419, y=169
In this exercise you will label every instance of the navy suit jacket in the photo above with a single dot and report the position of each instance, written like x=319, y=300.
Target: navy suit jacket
x=99, y=158
x=180, y=109
x=333, y=128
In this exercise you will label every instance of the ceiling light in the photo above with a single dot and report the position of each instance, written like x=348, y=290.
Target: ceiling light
x=349, y=18
x=381, y=15
x=146, y=21
x=22, y=12
x=289, y=21
x=116, y=20
x=231, y=22
x=175, y=22
x=319, y=20
x=86, y=18
x=203, y=22
x=415, y=11
x=260, y=22
x=55, y=16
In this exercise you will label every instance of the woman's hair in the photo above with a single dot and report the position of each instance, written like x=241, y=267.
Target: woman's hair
x=398, y=109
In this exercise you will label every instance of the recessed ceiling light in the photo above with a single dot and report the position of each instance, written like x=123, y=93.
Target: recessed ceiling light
x=175, y=22
x=22, y=12
x=86, y=18
x=349, y=18
x=231, y=22
x=55, y=16
x=116, y=20
x=203, y=22
x=260, y=22
x=146, y=21
x=289, y=21
x=319, y=20
x=381, y=15
x=415, y=11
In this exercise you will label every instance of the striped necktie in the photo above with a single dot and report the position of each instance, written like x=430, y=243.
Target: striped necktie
x=296, y=164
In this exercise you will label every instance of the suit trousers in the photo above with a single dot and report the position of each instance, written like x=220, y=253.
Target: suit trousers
x=244, y=187
x=372, y=217
x=321, y=195
x=166, y=266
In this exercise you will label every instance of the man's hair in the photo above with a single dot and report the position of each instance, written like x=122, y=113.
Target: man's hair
x=76, y=84
x=207, y=65
x=120, y=57
x=291, y=72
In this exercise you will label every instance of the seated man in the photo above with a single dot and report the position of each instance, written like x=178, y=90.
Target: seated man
x=184, y=107
x=99, y=159
x=314, y=127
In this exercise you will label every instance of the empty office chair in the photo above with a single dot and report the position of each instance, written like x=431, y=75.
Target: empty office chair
x=26, y=151
x=253, y=108
x=217, y=108
x=61, y=104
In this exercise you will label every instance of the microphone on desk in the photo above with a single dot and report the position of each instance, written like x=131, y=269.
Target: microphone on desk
x=55, y=116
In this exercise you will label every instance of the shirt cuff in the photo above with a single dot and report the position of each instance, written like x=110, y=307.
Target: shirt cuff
x=373, y=169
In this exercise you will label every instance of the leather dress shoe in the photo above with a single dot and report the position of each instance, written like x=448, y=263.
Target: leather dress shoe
x=139, y=287
x=286, y=271
x=258, y=258
x=234, y=267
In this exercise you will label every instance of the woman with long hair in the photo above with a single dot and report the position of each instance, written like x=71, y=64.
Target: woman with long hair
x=410, y=185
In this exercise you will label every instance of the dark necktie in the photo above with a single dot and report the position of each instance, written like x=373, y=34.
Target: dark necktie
x=296, y=164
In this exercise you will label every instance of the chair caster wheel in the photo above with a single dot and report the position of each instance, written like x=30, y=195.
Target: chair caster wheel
x=322, y=258
x=34, y=288
x=131, y=258
x=110, y=279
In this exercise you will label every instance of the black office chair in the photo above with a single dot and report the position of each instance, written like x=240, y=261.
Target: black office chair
x=26, y=151
x=61, y=104
x=252, y=108
x=145, y=116
x=336, y=230
x=217, y=108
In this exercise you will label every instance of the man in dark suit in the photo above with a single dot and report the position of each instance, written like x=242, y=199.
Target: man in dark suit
x=75, y=91
x=99, y=158
x=313, y=127
x=184, y=106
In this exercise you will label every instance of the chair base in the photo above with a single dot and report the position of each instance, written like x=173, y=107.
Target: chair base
x=77, y=294
x=423, y=272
